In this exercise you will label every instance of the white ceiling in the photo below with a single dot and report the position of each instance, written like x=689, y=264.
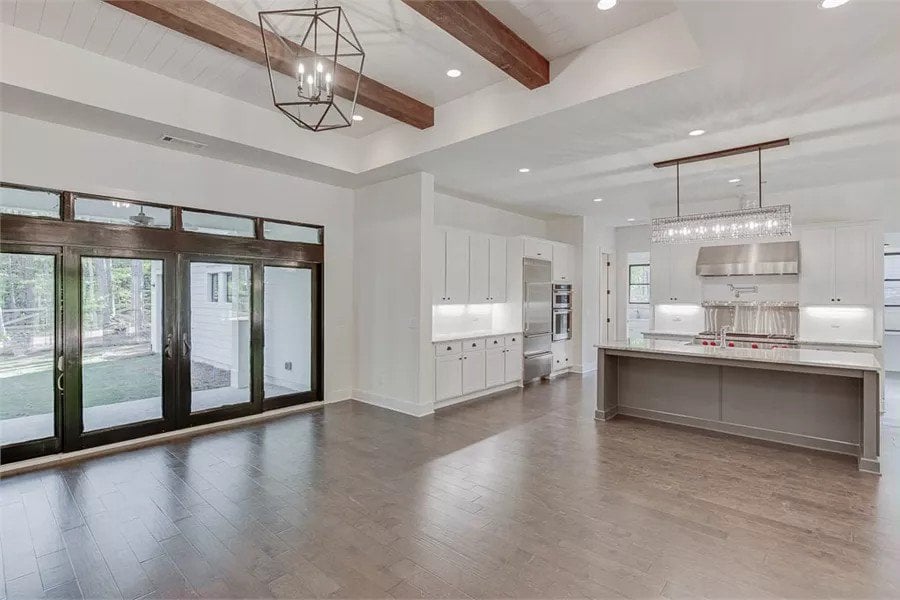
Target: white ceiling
x=829, y=79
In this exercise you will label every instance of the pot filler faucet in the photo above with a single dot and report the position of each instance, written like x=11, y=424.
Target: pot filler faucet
x=723, y=334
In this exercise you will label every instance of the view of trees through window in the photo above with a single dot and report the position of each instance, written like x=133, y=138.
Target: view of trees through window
x=639, y=284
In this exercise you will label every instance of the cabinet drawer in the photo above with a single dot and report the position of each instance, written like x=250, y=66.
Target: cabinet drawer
x=494, y=342
x=445, y=348
x=472, y=345
x=514, y=339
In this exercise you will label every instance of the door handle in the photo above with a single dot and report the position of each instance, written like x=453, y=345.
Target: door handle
x=167, y=351
x=185, y=344
x=60, y=364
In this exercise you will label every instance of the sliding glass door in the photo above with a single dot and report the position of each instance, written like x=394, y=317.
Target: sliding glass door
x=29, y=334
x=124, y=374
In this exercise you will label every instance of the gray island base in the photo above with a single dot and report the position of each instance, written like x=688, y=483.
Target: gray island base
x=810, y=398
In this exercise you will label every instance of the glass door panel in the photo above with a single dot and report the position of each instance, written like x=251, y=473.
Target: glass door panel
x=288, y=331
x=122, y=341
x=28, y=310
x=219, y=342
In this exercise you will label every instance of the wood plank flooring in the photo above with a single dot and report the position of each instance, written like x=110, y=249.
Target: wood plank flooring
x=522, y=495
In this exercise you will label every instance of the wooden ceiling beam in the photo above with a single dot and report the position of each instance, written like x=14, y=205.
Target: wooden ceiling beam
x=723, y=153
x=477, y=28
x=227, y=31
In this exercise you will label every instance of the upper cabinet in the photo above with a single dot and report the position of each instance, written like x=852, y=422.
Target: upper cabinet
x=469, y=268
x=535, y=248
x=451, y=267
x=562, y=262
x=836, y=265
x=673, y=274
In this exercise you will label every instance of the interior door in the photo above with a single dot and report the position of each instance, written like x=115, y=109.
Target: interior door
x=120, y=314
x=216, y=339
x=31, y=363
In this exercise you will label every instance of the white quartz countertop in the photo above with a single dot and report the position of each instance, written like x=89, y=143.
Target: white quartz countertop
x=449, y=337
x=788, y=356
x=848, y=343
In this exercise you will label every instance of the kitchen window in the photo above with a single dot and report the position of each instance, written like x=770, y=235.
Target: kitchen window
x=229, y=291
x=213, y=287
x=639, y=284
x=892, y=280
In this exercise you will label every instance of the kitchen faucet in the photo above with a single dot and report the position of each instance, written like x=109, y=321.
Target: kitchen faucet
x=723, y=334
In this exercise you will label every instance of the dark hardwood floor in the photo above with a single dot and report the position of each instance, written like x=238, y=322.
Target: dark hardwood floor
x=519, y=495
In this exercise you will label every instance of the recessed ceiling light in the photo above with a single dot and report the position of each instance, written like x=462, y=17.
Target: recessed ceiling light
x=357, y=117
x=735, y=180
x=454, y=73
x=630, y=220
x=608, y=4
x=697, y=132
x=524, y=170
x=832, y=3
x=598, y=199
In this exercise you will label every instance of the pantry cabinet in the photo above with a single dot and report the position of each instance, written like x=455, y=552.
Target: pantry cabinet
x=836, y=265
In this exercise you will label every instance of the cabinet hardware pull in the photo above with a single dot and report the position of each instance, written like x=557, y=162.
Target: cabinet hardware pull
x=449, y=348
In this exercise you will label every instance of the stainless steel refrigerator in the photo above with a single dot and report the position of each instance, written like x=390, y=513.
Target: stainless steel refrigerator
x=536, y=313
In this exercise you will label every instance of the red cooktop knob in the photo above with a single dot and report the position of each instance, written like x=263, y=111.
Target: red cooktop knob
x=731, y=344
x=754, y=345
x=713, y=344
x=705, y=343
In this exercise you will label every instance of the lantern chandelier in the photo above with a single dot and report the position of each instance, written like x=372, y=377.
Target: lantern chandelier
x=315, y=65
x=747, y=222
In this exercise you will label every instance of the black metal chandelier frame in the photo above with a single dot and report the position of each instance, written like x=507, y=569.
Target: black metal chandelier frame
x=289, y=55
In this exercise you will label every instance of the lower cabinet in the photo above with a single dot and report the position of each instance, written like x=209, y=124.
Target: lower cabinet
x=473, y=371
x=448, y=376
x=465, y=367
x=560, y=352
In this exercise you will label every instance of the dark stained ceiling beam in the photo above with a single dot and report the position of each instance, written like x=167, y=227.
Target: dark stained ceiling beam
x=227, y=31
x=474, y=26
x=723, y=153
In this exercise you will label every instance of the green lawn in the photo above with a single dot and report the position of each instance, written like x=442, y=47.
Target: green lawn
x=103, y=382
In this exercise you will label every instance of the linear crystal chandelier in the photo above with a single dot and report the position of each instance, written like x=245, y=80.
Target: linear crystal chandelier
x=769, y=221
x=315, y=64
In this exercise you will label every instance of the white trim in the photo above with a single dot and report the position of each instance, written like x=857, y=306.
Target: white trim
x=52, y=460
x=480, y=393
x=395, y=404
x=582, y=369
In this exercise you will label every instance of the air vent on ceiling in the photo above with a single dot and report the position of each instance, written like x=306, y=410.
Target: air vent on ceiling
x=182, y=143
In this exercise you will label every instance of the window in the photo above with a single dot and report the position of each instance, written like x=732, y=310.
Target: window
x=285, y=232
x=892, y=280
x=218, y=224
x=30, y=203
x=229, y=290
x=639, y=284
x=121, y=212
x=213, y=287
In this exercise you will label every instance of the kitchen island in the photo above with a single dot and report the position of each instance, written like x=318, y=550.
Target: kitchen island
x=811, y=398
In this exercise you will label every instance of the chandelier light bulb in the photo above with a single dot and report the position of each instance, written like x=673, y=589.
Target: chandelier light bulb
x=319, y=67
x=300, y=68
x=309, y=79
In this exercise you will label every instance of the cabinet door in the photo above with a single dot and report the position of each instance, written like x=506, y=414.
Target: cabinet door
x=561, y=262
x=660, y=292
x=457, y=267
x=684, y=283
x=513, y=360
x=479, y=269
x=473, y=371
x=817, y=256
x=852, y=265
x=538, y=249
x=448, y=377
x=560, y=355
x=498, y=269
x=494, y=367
x=439, y=275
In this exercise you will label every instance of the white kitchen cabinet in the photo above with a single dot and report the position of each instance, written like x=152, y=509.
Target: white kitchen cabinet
x=456, y=288
x=513, y=363
x=836, y=264
x=535, y=248
x=560, y=352
x=494, y=367
x=497, y=277
x=479, y=269
x=448, y=376
x=673, y=274
x=473, y=371
x=562, y=261
x=439, y=269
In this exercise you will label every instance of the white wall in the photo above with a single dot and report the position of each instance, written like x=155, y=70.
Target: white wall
x=450, y=211
x=45, y=154
x=596, y=237
x=394, y=222
x=635, y=239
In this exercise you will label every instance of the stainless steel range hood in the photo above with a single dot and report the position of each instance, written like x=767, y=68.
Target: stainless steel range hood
x=770, y=258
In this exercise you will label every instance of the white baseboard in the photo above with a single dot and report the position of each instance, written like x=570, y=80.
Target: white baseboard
x=500, y=388
x=582, y=369
x=403, y=406
x=338, y=395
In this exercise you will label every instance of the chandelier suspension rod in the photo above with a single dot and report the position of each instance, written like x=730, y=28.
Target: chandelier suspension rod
x=678, y=189
x=759, y=172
